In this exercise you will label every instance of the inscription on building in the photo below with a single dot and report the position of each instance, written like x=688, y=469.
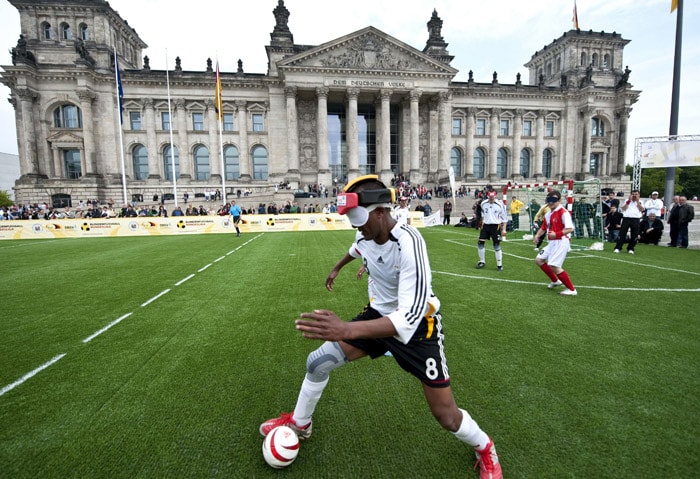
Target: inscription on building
x=367, y=83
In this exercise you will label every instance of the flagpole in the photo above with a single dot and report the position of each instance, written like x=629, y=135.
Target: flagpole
x=670, y=189
x=170, y=129
x=119, y=110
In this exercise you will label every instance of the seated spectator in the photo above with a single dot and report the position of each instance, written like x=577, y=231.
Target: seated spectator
x=651, y=229
x=613, y=223
x=463, y=221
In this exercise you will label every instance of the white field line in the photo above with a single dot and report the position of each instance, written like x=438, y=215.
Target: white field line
x=586, y=254
x=219, y=259
x=184, y=279
x=9, y=387
x=204, y=267
x=155, y=297
x=116, y=321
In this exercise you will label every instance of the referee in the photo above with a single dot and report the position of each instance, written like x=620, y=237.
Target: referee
x=495, y=220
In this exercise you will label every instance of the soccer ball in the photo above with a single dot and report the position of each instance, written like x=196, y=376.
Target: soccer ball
x=280, y=447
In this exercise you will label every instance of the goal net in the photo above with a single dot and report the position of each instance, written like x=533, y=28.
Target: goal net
x=581, y=198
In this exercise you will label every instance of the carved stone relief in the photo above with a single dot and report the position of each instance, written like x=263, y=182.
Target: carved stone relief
x=308, y=159
x=368, y=53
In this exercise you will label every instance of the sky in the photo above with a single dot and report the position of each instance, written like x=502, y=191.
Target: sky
x=483, y=36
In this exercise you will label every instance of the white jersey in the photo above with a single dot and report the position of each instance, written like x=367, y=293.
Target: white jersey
x=494, y=213
x=399, y=284
x=400, y=215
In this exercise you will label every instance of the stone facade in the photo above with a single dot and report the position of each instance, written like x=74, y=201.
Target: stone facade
x=362, y=103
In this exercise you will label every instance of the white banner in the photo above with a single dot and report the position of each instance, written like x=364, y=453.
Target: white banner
x=666, y=154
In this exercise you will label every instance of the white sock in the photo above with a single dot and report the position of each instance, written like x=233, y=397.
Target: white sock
x=482, y=255
x=470, y=432
x=309, y=395
x=499, y=257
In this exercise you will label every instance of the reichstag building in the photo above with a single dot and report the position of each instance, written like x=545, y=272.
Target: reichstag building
x=362, y=103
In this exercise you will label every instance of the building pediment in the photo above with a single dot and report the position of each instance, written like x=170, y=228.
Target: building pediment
x=65, y=139
x=366, y=51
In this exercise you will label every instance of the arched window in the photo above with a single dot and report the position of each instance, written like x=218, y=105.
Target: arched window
x=232, y=162
x=84, y=32
x=548, y=68
x=479, y=162
x=71, y=163
x=46, y=30
x=201, y=163
x=525, y=163
x=259, y=163
x=594, y=59
x=584, y=59
x=597, y=127
x=456, y=161
x=502, y=163
x=168, y=162
x=139, y=158
x=547, y=163
x=65, y=31
x=67, y=116
x=606, y=60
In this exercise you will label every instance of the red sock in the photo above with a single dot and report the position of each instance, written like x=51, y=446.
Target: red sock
x=549, y=272
x=564, y=277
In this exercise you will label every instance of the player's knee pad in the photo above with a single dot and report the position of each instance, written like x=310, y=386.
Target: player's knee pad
x=322, y=361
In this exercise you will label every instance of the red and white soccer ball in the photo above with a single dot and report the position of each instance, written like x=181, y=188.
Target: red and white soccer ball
x=280, y=447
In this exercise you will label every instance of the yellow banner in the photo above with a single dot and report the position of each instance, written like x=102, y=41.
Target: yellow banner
x=176, y=225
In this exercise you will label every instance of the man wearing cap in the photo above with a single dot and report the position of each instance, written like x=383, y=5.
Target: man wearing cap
x=403, y=317
x=494, y=227
x=557, y=225
x=654, y=205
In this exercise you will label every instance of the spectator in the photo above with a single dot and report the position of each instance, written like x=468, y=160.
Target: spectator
x=686, y=214
x=632, y=212
x=650, y=229
x=613, y=223
x=515, y=207
x=672, y=220
x=447, y=211
x=654, y=205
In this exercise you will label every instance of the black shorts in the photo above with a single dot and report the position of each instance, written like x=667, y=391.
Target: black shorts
x=236, y=220
x=492, y=232
x=423, y=356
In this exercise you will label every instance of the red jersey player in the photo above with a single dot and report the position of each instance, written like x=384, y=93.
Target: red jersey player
x=557, y=224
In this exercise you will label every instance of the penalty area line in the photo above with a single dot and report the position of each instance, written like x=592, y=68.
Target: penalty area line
x=184, y=279
x=30, y=374
x=155, y=297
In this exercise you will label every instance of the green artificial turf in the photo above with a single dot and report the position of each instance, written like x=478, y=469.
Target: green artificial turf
x=604, y=384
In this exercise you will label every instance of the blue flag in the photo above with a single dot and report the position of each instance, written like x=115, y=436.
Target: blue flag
x=120, y=90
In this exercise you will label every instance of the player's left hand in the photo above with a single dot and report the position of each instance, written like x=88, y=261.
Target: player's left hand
x=322, y=324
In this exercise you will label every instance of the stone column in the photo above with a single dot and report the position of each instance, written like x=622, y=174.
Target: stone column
x=444, y=133
x=352, y=138
x=469, y=154
x=183, y=150
x=243, y=154
x=155, y=166
x=384, y=153
x=493, y=143
x=414, y=97
x=322, y=136
x=292, y=131
x=214, y=144
x=539, y=144
x=26, y=134
x=619, y=168
x=517, y=142
x=586, y=159
x=88, y=161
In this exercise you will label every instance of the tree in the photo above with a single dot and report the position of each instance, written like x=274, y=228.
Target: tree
x=690, y=181
x=5, y=199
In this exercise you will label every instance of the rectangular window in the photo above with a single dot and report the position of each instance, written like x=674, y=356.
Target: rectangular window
x=505, y=128
x=165, y=120
x=228, y=121
x=481, y=126
x=257, y=122
x=527, y=127
x=135, y=120
x=549, y=128
x=198, y=121
x=456, y=126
